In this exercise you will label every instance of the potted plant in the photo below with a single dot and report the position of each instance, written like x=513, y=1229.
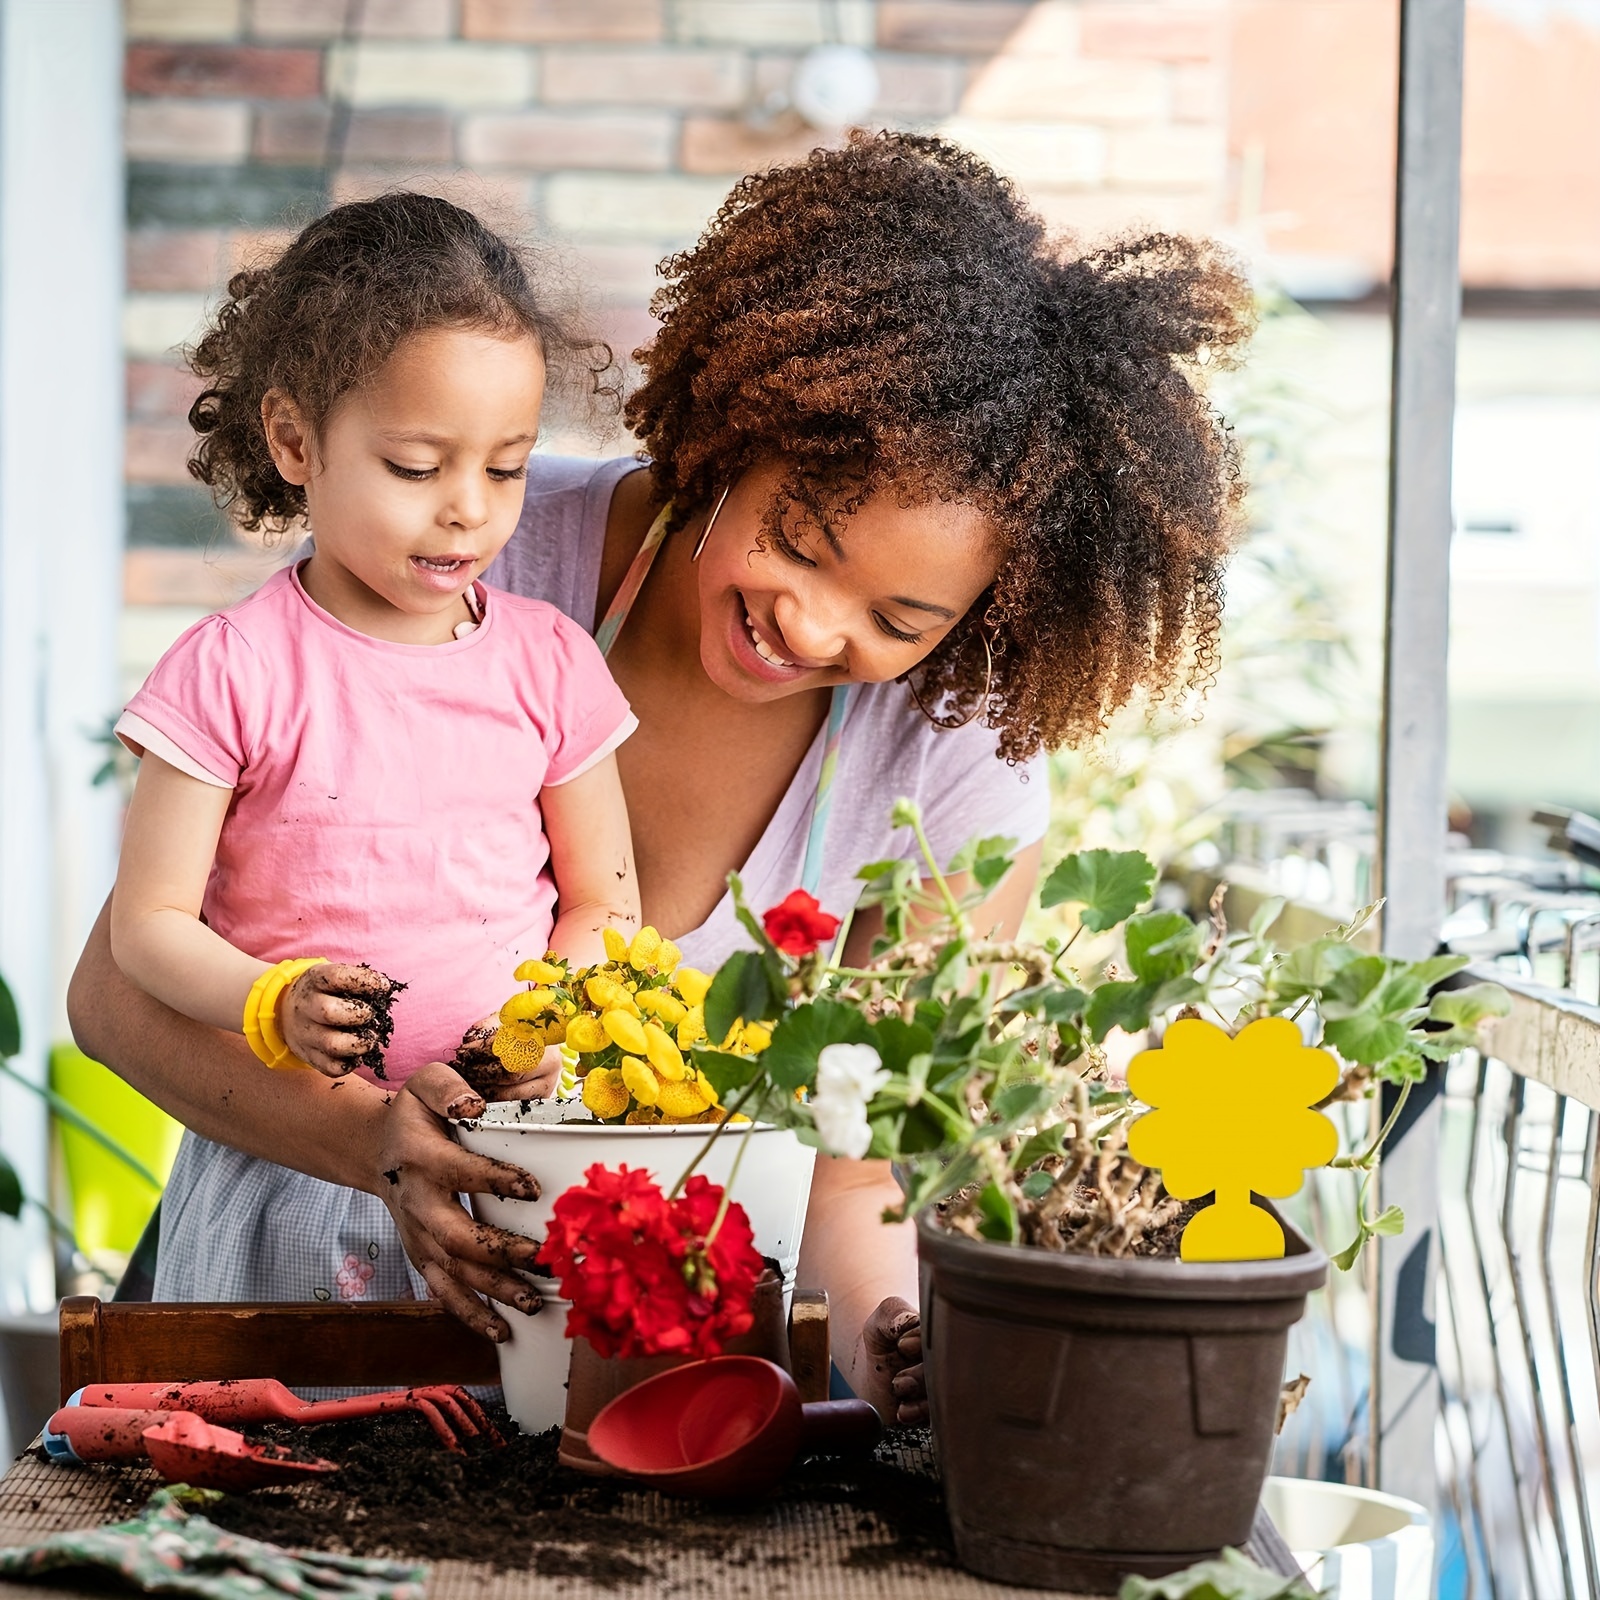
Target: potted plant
x=634, y=1099
x=1102, y=1406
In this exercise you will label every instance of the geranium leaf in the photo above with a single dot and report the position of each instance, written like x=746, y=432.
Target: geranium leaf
x=1110, y=885
x=898, y=1041
x=1466, y=1008
x=1118, y=1005
x=988, y=860
x=1267, y=913
x=1312, y=967
x=998, y=1215
x=1231, y=1577
x=1046, y=1142
x=10, y=1190
x=1366, y=1037
x=1037, y=1185
x=802, y=1034
x=1049, y=1001
x=1346, y=1258
x=1436, y=968
x=1391, y=1220
x=727, y=1073
x=1022, y=1102
x=741, y=988
x=1161, y=945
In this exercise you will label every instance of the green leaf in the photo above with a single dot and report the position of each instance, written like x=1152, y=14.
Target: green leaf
x=741, y=988
x=727, y=1073
x=1346, y=1258
x=898, y=1041
x=988, y=860
x=10, y=1190
x=1049, y=1002
x=1018, y=1103
x=1161, y=945
x=802, y=1034
x=999, y=1216
x=1355, y=987
x=1391, y=1220
x=1366, y=1037
x=1231, y=1577
x=1037, y=1185
x=10, y=1024
x=1436, y=968
x=1267, y=913
x=1046, y=1142
x=1466, y=1008
x=1110, y=885
x=1310, y=968
x=1118, y=1005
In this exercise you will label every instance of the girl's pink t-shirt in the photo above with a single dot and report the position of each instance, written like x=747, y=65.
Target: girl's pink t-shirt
x=385, y=796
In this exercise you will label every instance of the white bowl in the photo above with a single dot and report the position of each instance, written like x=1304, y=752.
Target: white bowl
x=559, y=1140
x=1355, y=1544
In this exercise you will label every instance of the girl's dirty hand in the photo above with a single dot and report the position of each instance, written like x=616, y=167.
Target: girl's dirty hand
x=331, y=1017
x=892, y=1347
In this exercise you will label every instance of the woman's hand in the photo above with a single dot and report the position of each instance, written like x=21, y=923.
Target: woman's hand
x=423, y=1172
x=888, y=1371
x=484, y=1071
x=327, y=1015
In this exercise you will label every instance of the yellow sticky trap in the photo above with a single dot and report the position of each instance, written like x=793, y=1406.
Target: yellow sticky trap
x=1232, y=1115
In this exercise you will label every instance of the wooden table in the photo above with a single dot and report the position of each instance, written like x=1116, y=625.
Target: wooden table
x=783, y=1550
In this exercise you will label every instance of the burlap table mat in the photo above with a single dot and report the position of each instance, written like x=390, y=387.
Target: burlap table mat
x=783, y=1551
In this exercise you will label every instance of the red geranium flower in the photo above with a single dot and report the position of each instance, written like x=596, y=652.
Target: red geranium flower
x=797, y=924
x=641, y=1273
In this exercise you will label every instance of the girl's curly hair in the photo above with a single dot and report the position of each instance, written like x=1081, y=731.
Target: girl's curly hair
x=890, y=316
x=324, y=316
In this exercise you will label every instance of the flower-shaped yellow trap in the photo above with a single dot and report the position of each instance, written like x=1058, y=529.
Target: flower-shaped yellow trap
x=1232, y=1115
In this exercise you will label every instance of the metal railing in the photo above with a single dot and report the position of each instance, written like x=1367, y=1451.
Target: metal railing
x=1515, y=1283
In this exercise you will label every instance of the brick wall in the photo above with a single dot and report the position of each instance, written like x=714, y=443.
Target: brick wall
x=613, y=127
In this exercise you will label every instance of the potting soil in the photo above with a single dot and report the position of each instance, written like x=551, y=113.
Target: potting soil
x=399, y=1493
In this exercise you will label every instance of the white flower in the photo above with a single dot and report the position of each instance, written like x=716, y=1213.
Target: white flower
x=848, y=1075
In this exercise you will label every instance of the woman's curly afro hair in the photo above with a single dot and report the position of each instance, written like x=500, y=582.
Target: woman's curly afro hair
x=890, y=316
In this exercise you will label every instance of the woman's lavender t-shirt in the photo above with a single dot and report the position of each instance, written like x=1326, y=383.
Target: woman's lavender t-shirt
x=888, y=748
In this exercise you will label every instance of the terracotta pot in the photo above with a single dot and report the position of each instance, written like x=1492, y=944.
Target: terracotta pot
x=1097, y=1418
x=596, y=1380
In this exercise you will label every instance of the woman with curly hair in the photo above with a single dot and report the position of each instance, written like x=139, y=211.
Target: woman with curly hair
x=925, y=494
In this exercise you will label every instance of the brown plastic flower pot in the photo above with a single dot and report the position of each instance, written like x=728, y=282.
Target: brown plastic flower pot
x=1096, y=1417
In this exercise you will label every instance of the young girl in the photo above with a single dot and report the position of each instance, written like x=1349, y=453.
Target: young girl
x=375, y=781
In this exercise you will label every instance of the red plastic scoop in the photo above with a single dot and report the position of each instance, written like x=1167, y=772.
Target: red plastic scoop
x=181, y=1447
x=449, y=1409
x=727, y=1428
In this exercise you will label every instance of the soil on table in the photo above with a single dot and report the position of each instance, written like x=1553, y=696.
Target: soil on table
x=400, y=1494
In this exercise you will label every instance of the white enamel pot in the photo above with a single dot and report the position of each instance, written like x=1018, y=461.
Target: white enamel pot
x=1355, y=1544
x=558, y=1141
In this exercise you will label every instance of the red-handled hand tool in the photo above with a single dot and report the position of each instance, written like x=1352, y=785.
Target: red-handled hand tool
x=450, y=1410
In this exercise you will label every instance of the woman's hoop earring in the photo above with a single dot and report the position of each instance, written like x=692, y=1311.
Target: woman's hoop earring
x=950, y=724
x=711, y=522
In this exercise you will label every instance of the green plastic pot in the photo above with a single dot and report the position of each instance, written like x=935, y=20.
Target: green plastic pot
x=111, y=1202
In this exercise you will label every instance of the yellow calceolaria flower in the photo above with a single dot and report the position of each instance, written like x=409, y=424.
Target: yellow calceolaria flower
x=585, y=1035
x=642, y=1083
x=605, y=993
x=668, y=957
x=681, y=1101
x=692, y=1029
x=604, y=1093
x=663, y=1053
x=556, y=1032
x=755, y=1038
x=661, y=1003
x=545, y=972
x=643, y=1117
x=692, y=984
x=616, y=945
x=516, y=1051
x=625, y=1029
x=529, y=1006
x=643, y=948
